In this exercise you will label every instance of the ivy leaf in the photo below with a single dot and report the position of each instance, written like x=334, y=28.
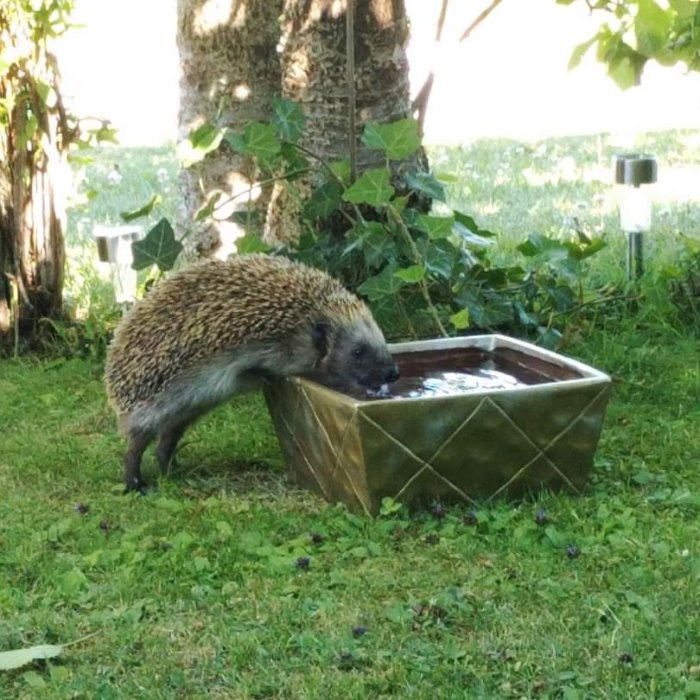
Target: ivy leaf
x=297, y=163
x=561, y=295
x=440, y=259
x=382, y=285
x=426, y=184
x=34, y=680
x=341, y=169
x=526, y=318
x=436, y=227
x=492, y=314
x=289, y=119
x=235, y=140
x=373, y=187
x=470, y=238
x=549, y=337
x=206, y=138
x=398, y=139
x=159, y=247
x=537, y=244
x=460, y=320
x=145, y=210
x=251, y=244
x=374, y=241
x=470, y=223
x=400, y=204
x=261, y=142
x=324, y=201
x=201, y=141
x=412, y=274
x=583, y=250
x=378, y=248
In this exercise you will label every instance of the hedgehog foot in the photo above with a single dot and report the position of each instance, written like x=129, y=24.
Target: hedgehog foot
x=138, y=441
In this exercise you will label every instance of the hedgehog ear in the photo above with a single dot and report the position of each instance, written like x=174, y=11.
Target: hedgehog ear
x=320, y=336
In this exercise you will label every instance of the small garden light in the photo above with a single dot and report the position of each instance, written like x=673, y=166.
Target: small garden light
x=114, y=247
x=632, y=172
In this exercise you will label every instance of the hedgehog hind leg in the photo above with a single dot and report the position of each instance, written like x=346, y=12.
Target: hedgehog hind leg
x=138, y=441
x=167, y=444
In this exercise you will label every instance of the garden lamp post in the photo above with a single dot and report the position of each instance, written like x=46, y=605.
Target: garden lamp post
x=633, y=173
x=114, y=247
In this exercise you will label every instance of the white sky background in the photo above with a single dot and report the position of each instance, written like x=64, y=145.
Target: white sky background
x=508, y=79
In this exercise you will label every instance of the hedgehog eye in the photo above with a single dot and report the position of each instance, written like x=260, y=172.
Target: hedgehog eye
x=359, y=351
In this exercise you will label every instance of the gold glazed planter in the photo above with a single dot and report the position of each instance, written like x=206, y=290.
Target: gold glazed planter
x=539, y=432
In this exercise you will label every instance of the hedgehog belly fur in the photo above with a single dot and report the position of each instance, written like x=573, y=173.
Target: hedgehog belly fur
x=189, y=396
x=214, y=380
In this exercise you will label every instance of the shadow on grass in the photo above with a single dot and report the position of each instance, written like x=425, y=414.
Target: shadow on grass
x=250, y=478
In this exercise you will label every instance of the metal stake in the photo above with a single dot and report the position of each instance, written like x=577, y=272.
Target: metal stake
x=635, y=255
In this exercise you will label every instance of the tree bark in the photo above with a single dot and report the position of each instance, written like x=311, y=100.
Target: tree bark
x=230, y=74
x=33, y=175
x=314, y=74
x=314, y=70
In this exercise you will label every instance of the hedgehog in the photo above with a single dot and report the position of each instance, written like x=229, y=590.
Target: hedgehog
x=219, y=328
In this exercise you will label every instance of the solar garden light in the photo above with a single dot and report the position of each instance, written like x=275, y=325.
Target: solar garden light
x=632, y=172
x=114, y=247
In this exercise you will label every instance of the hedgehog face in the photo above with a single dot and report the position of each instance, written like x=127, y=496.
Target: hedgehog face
x=354, y=356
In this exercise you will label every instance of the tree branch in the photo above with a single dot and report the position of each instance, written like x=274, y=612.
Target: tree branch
x=482, y=16
x=420, y=103
x=441, y=21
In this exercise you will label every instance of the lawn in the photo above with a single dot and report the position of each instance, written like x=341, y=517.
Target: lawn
x=230, y=582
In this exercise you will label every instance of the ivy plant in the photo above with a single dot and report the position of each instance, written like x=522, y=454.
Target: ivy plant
x=425, y=271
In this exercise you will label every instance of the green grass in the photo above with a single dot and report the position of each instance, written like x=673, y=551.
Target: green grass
x=194, y=591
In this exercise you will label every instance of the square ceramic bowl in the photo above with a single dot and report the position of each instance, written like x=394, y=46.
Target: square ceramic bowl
x=524, y=418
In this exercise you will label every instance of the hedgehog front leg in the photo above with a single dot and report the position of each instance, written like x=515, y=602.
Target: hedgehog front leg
x=138, y=442
x=167, y=444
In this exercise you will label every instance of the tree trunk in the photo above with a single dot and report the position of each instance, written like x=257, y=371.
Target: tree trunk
x=314, y=74
x=230, y=73
x=33, y=173
x=314, y=70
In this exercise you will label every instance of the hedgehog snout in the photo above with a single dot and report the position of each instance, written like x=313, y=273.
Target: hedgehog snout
x=392, y=374
x=382, y=374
